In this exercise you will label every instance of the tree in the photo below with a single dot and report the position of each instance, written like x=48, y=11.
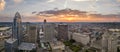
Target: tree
x=72, y=40
x=67, y=43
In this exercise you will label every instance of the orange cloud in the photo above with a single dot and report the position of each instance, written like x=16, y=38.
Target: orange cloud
x=89, y=18
x=83, y=19
x=2, y=4
x=118, y=0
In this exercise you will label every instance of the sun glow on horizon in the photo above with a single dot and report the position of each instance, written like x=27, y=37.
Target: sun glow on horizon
x=69, y=18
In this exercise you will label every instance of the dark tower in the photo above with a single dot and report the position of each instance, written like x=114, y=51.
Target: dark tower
x=17, y=27
x=63, y=32
x=45, y=21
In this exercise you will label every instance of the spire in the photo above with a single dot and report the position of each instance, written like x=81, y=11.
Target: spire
x=17, y=15
x=45, y=20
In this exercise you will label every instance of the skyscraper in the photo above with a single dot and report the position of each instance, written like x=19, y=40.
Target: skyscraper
x=63, y=32
x=32, y=33
x=12, y=43
x=49, y=31
x=17, y=28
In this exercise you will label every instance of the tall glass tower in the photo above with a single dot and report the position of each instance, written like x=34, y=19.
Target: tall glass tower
x=17, y=27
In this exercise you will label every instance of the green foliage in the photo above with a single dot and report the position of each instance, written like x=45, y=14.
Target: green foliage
x=67, y=43
x=39, y=45
x=118, y=50
x=90, y=50
x=72, y=41
x=34, y=50
x=75, y=48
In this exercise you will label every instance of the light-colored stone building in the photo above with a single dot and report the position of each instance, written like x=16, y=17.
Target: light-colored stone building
x=110, y=40
x=57, y=46
x=82, y=38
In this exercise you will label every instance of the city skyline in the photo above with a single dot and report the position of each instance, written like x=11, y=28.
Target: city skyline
x=60, y=37
x=110, y=8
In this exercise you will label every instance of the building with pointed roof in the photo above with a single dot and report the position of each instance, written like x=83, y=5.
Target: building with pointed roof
x=17, y=27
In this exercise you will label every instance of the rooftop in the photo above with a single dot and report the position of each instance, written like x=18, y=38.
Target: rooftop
x=4, y=28
x=62, y=24
x=57, y=45
x=114, y=30
x=82, y=34
x=27, y=46
x=11, y=40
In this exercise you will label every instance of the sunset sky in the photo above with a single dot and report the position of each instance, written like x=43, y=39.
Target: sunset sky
x=109, y=10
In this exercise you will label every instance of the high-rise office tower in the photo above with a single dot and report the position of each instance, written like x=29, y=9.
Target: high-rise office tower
x=12, y=43
x=112, y=41
x=17, y=28
x=63, y=32
x=49, y=31
x=104, y=42
x=32, y=33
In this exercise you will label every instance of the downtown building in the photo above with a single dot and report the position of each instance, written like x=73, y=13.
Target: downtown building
x=62, y=32
x=17, y=28
x=48, y=39
x=12, y=43
x=49, y=31
x=81, y=38
x=31, y=33
x=15, y=43
x=111, y=40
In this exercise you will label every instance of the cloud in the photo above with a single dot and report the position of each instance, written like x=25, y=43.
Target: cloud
x=84, y=0
x=72, y=0
x=118, y=0
x=50, y=1
x=77, y=16
x=5, y=18
x=2, y=4
x=17, y=1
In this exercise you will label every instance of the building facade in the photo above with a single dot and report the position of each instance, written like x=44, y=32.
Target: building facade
x=63, y=32
x=82, y=38
x=49, y=32
x=17, y=28
x=31, y=33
